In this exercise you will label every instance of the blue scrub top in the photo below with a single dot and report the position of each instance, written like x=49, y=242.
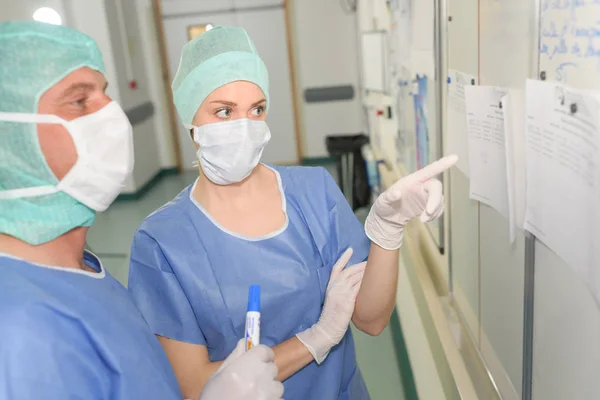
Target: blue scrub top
x=190, y=277
x=71, y=334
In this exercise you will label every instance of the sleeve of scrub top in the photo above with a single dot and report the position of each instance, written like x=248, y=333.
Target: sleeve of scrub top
x=48, y=355
x=158, y=294
x=346, y=229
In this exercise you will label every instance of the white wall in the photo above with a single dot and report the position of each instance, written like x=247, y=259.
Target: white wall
x=186, y=7
x=144, y=134
x=326, y=54
x=24, y=9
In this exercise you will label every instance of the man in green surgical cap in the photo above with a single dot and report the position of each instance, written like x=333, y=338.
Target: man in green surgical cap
x=68, y=329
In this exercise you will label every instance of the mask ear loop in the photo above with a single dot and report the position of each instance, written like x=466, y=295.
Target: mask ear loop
x=196, y=163
x=31, y=118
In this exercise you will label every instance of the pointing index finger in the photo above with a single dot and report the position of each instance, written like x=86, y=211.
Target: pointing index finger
x=435, y=168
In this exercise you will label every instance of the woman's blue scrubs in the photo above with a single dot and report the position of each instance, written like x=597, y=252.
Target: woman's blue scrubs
x=190, y=277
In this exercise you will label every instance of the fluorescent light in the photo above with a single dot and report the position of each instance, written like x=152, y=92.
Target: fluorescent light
x=48, y=15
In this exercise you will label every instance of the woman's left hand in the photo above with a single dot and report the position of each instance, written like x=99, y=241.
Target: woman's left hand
x=340, y=298
x=417, y=195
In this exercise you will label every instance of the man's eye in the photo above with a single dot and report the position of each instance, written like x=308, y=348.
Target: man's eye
x=79, y=102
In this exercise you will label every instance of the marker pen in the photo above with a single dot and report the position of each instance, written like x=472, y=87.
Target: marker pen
x=253, y=318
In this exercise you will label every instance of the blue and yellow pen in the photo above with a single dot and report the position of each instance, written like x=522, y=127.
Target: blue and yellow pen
x=253, y=318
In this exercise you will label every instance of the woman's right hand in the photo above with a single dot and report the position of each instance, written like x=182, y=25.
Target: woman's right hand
x=338, y=308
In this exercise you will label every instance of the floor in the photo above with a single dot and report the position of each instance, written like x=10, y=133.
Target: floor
x=110, y=238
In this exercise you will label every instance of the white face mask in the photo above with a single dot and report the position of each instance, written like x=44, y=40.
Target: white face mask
x=229, y=151
x=104, y=144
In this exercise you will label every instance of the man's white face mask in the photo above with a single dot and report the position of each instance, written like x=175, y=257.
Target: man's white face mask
x=104, y=144
x=229, y=151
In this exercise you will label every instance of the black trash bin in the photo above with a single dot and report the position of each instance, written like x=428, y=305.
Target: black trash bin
x=352, y=171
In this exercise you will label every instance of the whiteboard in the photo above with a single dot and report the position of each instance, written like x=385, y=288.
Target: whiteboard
x=493, y=40
x=463, y=55
x=374, y=61
x=410, y=69
x=406, y=141
x=566, y=352
x=504, y=42
x=508, y=39
x=422, y=43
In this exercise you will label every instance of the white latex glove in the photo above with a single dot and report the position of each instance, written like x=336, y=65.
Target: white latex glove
x=338, y=308
x=417, y=195
x=245, y=376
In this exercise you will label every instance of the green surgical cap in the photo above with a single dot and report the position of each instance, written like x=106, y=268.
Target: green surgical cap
x=217, y=57
x=34, y=56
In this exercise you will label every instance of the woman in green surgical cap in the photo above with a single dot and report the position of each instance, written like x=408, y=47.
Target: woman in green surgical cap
x=287, y=229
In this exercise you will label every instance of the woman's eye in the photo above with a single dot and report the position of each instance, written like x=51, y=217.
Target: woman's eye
x=258, y=111
x=224, y=113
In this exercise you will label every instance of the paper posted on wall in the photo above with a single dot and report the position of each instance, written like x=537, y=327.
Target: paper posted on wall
x=487, y=148
x=456, y=142
x=563, y=175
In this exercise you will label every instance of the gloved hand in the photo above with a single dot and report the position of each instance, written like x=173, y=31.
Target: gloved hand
x=415, y=195
x=338, y=308
x=245, y=376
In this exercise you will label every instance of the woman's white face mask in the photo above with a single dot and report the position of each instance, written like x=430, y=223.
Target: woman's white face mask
x=104, y=144
x=229, y=151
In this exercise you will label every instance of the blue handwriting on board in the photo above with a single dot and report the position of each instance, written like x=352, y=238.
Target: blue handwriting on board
x=566, y=38
x=561, y=71
x=573, y=5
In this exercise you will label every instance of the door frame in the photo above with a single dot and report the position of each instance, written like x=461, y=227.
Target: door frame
x=296, y=90
x=166, y=78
